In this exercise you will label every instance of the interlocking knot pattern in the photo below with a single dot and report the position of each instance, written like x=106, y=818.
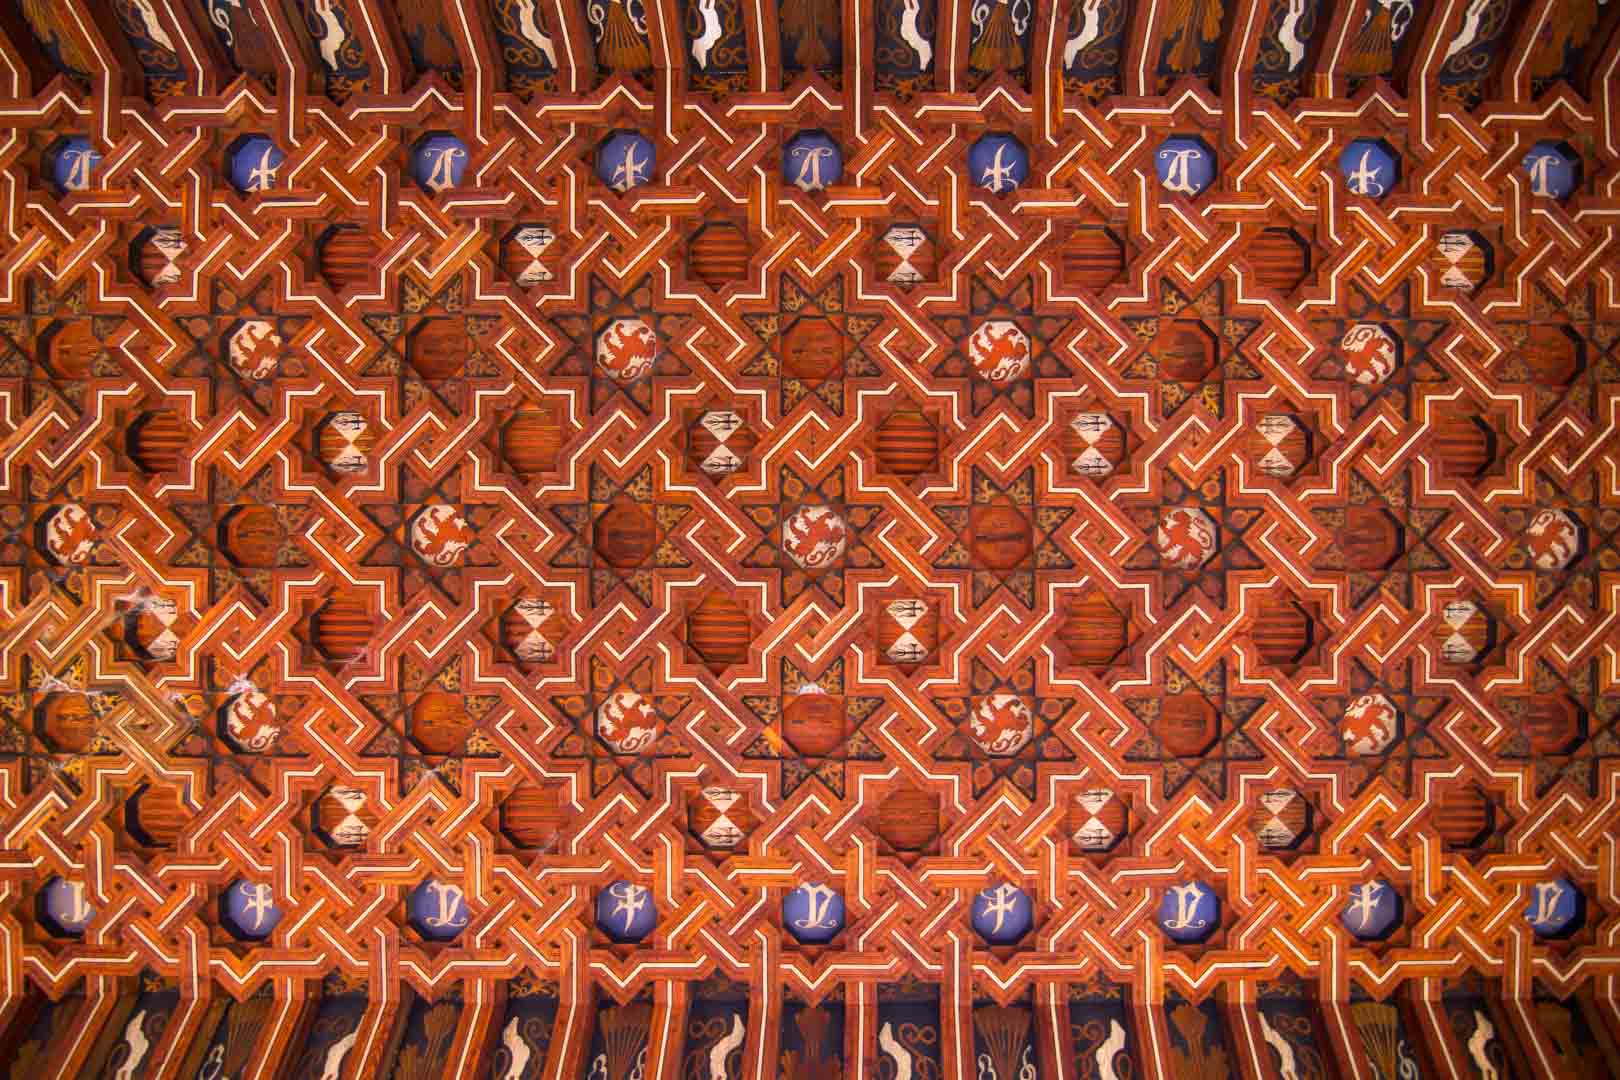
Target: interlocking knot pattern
x=710, y=539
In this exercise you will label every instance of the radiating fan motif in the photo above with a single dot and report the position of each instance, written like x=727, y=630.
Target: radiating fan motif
x=424, y=1056
x=620, y=29
x=1195, y=1058
x=243, y=1024
x=1006, y=1052
x=1380, y=1027
x=622, y=1031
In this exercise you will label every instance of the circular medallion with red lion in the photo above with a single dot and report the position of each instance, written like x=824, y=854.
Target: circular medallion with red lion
x=999, y=351
x=814, y=536
x=440, y=535
x=1554, y=539
x=1185, y=537
x=626, y=350
x=70, y=535
x=1370, y=353
x=1002, y=724
x=250, y=721
x=627, y=722
x=1369, y=725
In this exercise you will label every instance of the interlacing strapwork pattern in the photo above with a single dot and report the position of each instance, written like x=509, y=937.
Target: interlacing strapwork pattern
x=664, y=538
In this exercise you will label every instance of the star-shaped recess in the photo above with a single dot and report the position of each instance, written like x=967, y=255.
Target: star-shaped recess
x=1002, y=346
x=813, y=727
x=1095, y=443
x=435, y=539
x=1565, y=542
x=1194, y=728
x=60, y=535
x=1286, y=630
x=240, y=725
x=812, y=344
x=1195, y=538
x=1561, y=726
x=148, y=628
x=1003, y=728
x=242, y=344
x=1471, y=634
x=1285, y=821
x=1377, y=349
x=622, y=343
x=1004, y=538
x=434, y=346
x=1379, y=538
x=1095, y=631
x=1379, y=727
x=622, y=535
x=623, y=727
x=909, y=630
x=1192, y=348
x=1564, y=351
x=1283, y=445
x=53, y=725
x=57, y=346
x=718, y=441
x=431, y=725
x=812, y=536
x=243, y=535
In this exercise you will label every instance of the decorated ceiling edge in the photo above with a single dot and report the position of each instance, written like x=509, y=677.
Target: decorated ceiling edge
x=938, y=538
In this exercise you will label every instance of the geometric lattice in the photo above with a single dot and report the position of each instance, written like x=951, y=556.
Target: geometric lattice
x=936, y=538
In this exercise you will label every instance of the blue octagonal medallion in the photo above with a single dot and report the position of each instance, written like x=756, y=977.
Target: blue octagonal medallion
x=1189, y=913
x=626, y=160
x=438, y=161
x=1374, y=909
x=811, y=161
x=999, y=163
x=1002, y=914
x=813, y=913
x=625, y=911
x=1370, y=167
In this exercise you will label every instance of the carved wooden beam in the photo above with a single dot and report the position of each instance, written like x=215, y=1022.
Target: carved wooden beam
x=666, y=1035
x=24, y=67
x=95, y=1064
x=186, y=1024
x=1237, y=66
x=952, y=42
x=296, y=66
x=472, y=1047
x=1603, y=90
x=861, y=1029
x=379, y=36
x=1054, y=1043
x=1046, y=71
x=1514, y=84
x=576, y=1014
x=119, y=72
x=1429, y=54
x=1142, y=53
x=378, y=1033
x=71, y=1048
x=1250, y=1053
x=482, y=70
x=666, y=36
x=199, y=49
x=1327, y=78
x=277, y=1047
x=956, y=1019
x=760, y=1050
